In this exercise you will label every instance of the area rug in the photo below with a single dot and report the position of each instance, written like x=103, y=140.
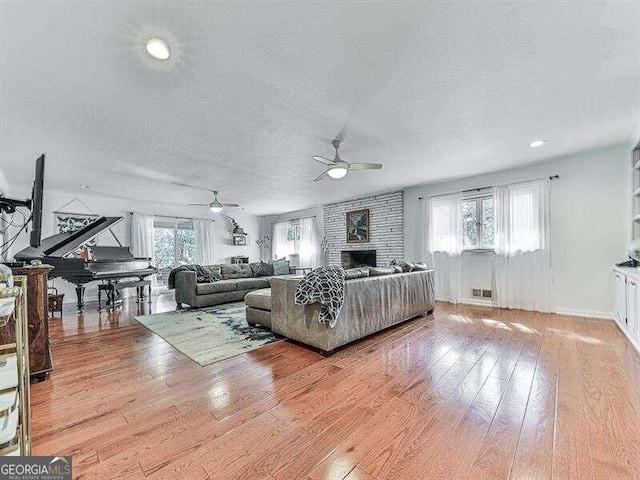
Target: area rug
x=208, y=335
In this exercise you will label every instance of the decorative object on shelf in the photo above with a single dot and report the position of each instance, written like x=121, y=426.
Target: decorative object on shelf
x=358, y=226
x=240, y=260
x=634, y=249
x=15, y=403
x=239, y=240
x=8, y=292
x=236, y=229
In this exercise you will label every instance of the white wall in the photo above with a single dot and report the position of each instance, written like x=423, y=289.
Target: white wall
x=590, y=227
x=102, y=205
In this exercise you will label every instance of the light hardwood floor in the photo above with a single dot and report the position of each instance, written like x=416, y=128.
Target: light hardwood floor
x=469, y=393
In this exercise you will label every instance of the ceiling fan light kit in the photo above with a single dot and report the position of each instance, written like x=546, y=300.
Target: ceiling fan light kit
x=338, y=168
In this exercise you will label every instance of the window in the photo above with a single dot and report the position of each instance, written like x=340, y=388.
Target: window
x=478, y=223
x=174, y=243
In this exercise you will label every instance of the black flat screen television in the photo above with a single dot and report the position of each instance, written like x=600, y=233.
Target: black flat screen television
x=36, y=203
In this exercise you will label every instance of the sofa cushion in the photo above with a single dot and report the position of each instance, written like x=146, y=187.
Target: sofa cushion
x=407, y=266
x=221, y=286
x=259, y=299
x=262, y=269
x=379, y=271
x=281, y=267
x=212, y=272
x=360, y=272
x=251, y=283
x=236, y=271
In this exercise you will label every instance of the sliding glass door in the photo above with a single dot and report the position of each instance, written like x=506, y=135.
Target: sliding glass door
x=174, y=244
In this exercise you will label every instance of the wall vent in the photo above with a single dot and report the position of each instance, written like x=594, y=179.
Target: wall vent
x=481, y=293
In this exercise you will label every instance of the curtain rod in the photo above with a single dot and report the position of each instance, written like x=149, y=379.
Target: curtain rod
x=294, y=219
x=550, y=177
x=177, y=217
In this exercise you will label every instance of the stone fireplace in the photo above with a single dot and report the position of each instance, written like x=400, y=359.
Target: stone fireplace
x=358, y=258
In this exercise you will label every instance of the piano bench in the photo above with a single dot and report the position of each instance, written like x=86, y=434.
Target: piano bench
x=113, y=290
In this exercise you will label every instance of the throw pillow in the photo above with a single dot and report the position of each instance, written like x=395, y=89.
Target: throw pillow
x=397, y=268
x=420, y=266
x=264, y=270
x=406, y=266
x=379, y=271
x=281, y=267
x=212, y=273
x=352, y=273
x=254, y=268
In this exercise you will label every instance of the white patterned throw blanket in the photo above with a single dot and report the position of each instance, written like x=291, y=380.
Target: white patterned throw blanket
x=324, y=285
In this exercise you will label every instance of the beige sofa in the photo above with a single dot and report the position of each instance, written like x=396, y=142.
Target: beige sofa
x=371, y=304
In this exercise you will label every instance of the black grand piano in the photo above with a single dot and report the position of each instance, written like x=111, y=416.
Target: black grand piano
x=109, y=264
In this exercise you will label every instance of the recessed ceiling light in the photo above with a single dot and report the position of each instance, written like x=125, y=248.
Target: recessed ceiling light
x=537, y=143
x=158, y=48
x=84, y=186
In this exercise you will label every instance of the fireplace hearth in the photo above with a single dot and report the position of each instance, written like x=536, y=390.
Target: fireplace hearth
x=358, y=258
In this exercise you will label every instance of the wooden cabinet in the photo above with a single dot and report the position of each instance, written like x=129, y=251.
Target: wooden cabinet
x=40, y=362
x=628, y=303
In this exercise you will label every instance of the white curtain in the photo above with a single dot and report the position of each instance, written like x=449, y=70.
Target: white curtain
x=445, y=245
x=142, y=235
x=523, y=250
x=142, y=240
x=280, y=246
x=309, y=243
x=204, y=233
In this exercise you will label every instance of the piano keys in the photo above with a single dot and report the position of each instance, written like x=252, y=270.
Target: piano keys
x=78, y=262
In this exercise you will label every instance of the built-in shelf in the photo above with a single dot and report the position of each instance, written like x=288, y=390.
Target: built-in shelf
x=635, y=189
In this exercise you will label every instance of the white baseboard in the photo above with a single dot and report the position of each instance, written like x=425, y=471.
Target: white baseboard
x=560, y=311
x=585, y=313
x=478, y=302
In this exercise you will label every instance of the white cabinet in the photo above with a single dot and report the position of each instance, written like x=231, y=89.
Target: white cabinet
x=621, y=298
x=628, y=302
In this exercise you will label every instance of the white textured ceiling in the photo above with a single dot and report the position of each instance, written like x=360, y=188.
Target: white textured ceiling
x=432, y=90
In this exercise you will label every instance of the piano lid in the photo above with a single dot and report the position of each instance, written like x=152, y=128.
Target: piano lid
x=63, y=244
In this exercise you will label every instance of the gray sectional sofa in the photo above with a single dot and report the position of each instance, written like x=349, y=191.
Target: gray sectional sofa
x=230, y=283
x=371, y=304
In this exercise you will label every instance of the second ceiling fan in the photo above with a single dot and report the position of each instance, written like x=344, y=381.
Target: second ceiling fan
x=216, y=206
x=338, y=168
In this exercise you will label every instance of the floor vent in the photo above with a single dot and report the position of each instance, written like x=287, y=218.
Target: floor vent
x=487, y=294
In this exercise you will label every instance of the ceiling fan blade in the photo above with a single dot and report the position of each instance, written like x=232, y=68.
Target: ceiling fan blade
x=199, y=204
x=231, y=205
x=322, y=160
x=320, y=177
x=365, y=166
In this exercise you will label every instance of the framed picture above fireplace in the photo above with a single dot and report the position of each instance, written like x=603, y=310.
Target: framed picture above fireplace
x=358, y=226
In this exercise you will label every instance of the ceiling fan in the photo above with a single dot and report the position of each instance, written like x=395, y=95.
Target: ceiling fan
x=216, y=206
x=338, y=168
